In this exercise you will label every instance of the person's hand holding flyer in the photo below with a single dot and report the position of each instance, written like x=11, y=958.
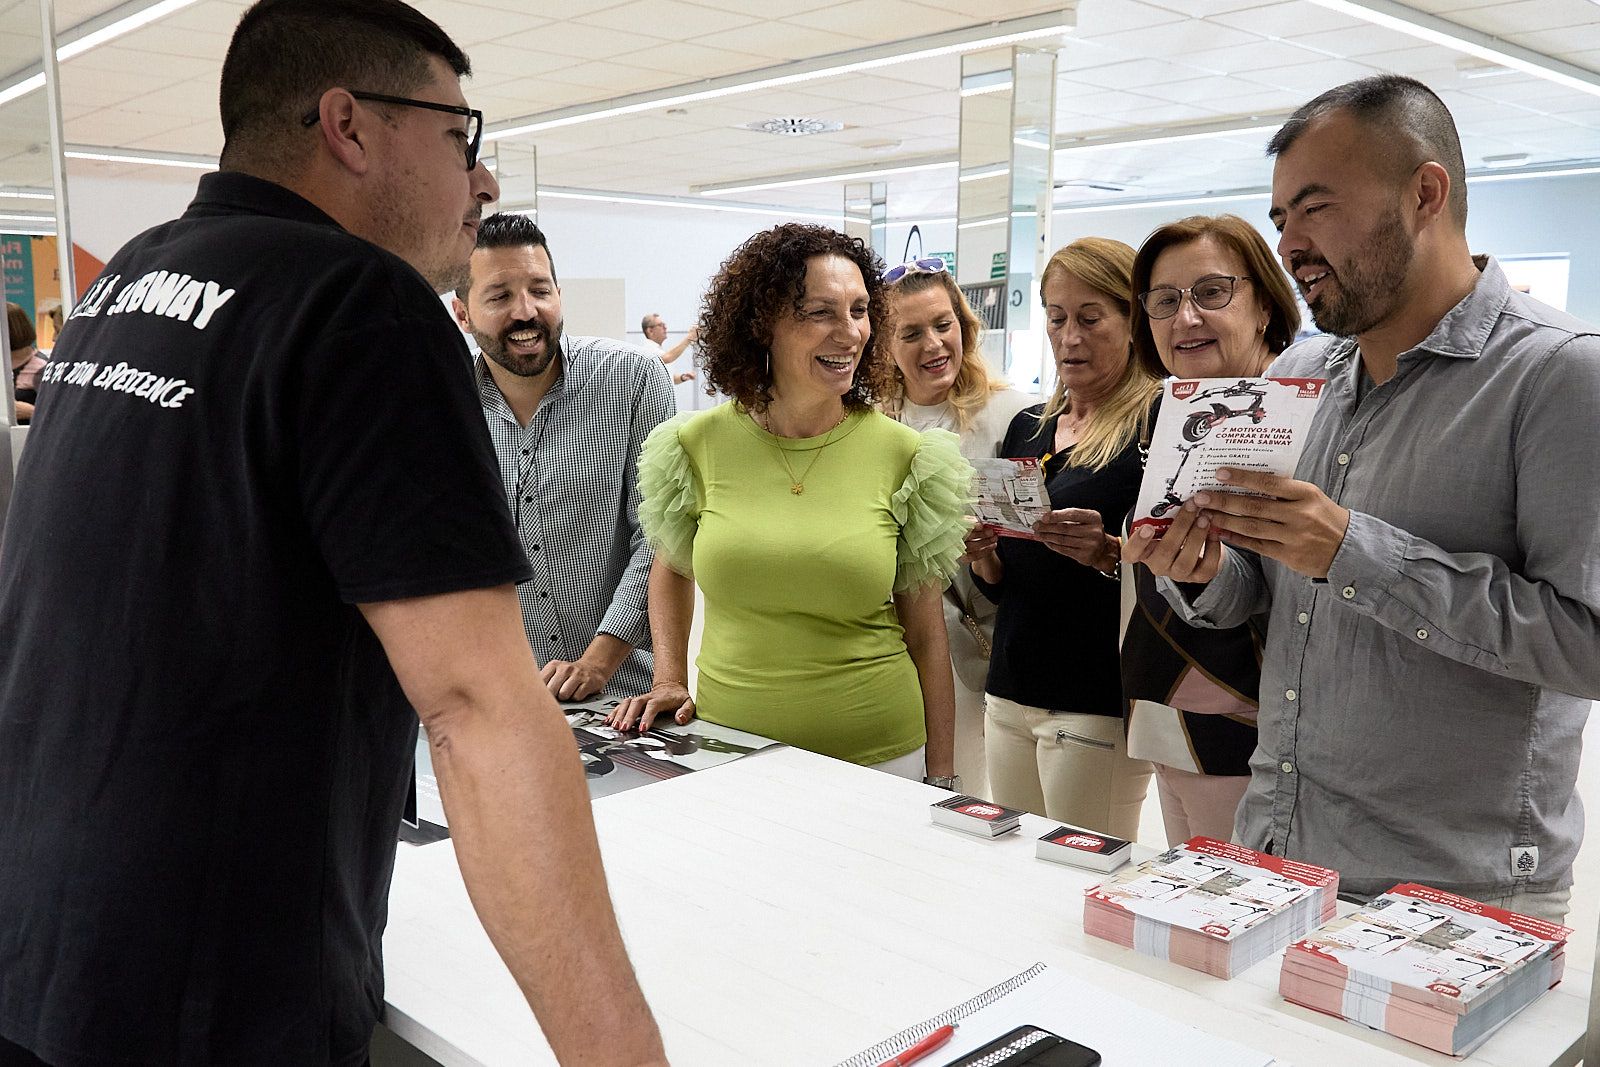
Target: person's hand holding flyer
x=1011, y=496
x=1250, y=424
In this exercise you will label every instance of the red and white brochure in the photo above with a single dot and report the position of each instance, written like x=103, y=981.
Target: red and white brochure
x=1010, y=495
x=1432, y=967
x=1256, y=424
x=1211, y=905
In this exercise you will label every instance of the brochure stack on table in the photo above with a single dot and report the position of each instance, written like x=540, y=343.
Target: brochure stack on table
x=1211, y=906
x=1427, y=966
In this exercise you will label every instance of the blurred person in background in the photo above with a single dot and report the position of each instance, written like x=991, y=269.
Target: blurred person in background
x=942, y=381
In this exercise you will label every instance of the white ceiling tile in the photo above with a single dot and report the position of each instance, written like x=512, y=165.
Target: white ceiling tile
x=790, y=43
x=1175, y=40
x=1139, y=74
x=209, y=16
x=468, y=24
x=122, y=59
x=171, y=41
x=1313, y=78
x=1097, y=18
x=672, y=19
x=1245, y=59
x=1204, y=9
x=688, y=62
x=771, y=9
x=1292, y=19
x=1354, y=41
x=887, y=20
x=1524, y=16
x=567, y=9
x=1557, y=42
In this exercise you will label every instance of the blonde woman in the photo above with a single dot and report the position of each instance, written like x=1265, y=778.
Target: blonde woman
x=942, y=381
x=1054, y=734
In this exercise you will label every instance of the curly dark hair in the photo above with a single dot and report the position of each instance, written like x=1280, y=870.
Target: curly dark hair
x=765, y=277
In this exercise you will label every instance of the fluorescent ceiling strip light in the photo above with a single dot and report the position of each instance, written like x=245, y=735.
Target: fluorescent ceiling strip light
x=980, y=173
x=821, y=179
x=1435, y=30
x=985, y=90
x=676, y=202
x=1179, y=134
x=120, y=20
x=1514, y=176
x=979, y=224
x=24, y=194
x=1176, y=201
x=111, y=25
x=129, y=155
x=971, y=39
x=43, y=219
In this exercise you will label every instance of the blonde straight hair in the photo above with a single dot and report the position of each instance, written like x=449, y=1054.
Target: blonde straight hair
x=974, y=383
x=1123, y=416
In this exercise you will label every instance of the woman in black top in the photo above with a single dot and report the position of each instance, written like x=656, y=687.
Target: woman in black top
x=1054, y=700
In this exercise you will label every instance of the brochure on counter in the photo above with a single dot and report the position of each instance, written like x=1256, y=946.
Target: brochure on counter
x=1210, y=905
x=613, y=761
x=1428, y=966
x=1011, y=495
x=1257, y=424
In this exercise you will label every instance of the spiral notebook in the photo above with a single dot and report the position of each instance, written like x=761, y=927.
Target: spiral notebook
x=1125, y=1034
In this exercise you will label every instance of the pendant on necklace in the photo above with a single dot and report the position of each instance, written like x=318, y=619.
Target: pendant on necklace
x=797, y=489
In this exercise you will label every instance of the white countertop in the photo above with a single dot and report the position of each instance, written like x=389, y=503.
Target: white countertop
x=792, y=909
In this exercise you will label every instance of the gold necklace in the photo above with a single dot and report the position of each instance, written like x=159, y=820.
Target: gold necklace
x=798, y=485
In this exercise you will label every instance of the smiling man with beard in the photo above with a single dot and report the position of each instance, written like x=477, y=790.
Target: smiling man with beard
x=1431, y=571
x=567, y=415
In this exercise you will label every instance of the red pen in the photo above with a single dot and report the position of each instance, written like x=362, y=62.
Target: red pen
x=921, y=1048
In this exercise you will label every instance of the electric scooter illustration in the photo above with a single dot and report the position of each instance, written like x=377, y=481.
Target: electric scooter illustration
x=1172, y=500
x=1198, y=425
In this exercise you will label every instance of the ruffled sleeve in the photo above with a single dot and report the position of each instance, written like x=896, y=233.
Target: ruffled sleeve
x=931, y=507
x=669, y=510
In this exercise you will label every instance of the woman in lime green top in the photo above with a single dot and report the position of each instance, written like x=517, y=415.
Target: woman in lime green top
x=820, y=531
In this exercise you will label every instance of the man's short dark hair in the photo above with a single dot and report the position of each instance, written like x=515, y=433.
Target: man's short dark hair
x=1414, y=126
x=510, y=229
x=286, y=53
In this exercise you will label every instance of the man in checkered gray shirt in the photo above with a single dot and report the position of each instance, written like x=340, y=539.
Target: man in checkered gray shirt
x=567, y=416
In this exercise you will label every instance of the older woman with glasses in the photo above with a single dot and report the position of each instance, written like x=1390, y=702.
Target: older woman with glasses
x=1212, y=304
x=942, y=381
x=821, y=533
x=1054, y=698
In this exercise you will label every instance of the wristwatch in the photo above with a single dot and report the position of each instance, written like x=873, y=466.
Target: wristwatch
x=951, y=782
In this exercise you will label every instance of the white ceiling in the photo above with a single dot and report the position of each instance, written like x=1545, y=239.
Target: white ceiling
x=1129, y=64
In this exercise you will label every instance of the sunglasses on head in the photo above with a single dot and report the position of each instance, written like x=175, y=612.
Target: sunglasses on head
x=920, y=266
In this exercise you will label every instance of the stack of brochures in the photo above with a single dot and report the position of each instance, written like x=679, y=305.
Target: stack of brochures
x=1212, y=906
x=1427, y=966
x=973, y=816
x=1083, y=848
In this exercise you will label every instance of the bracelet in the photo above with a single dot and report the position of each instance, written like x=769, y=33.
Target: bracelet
x=1115, y=573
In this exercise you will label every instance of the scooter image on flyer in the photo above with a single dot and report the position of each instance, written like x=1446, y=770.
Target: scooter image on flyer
x=1201, y=423
x=1172, y=500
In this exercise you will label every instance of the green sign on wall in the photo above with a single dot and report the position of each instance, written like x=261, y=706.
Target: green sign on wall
x=16, y=258
x=997, y=267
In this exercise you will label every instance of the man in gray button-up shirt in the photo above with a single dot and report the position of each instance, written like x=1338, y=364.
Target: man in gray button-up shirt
x=1432, y=571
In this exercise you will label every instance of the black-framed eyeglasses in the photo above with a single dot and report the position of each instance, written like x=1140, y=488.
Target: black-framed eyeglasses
x=931, y=265
x=473, y=116
x=1212, y=293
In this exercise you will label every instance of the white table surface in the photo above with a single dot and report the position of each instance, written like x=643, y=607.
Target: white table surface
x=792, y=909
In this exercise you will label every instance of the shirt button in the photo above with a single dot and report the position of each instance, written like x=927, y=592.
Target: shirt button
x=543, y=595
x=1302, y=618
x=527, y=500
x=1288, y=694
x=1344, y=458
x=524, y=451
x=555, y=639
x=1422, y=635
x=1349, y=592
x=1286, y=767
x=535, y=548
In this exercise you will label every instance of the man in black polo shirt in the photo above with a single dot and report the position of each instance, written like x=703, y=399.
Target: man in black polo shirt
x=258, y=521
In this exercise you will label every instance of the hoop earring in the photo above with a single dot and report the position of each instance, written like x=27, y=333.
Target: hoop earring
x=769, y=364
